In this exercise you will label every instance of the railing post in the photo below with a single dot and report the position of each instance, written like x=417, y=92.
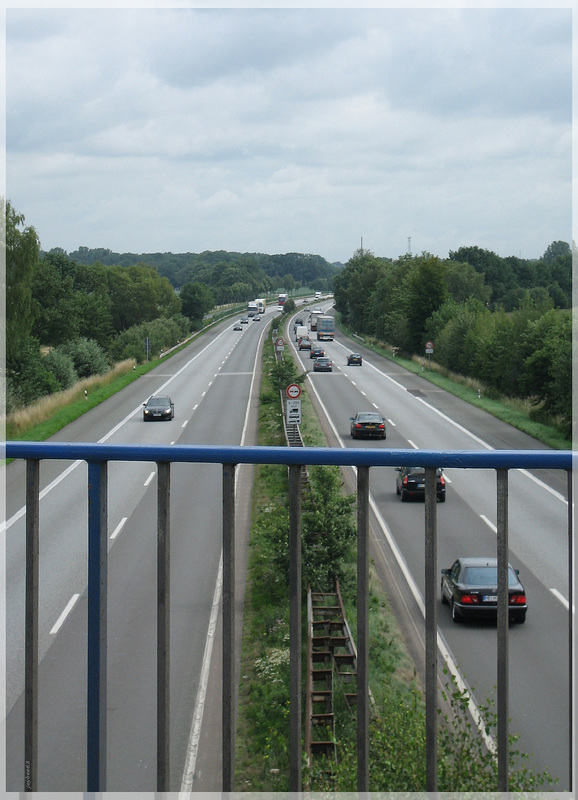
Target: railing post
x=571, y=615
x=295, y=591
x=228, y=665
x=431, y=627
x=97, y=644
x=503, y=616
x=163, y=625
x=362, y=702
x=31, y=628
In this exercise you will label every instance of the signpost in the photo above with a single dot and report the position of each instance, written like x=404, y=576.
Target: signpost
x=293, y=392
x=429, y=348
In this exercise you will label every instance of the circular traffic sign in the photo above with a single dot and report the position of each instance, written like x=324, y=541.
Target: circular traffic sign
x=293, y=390
x=279, y=342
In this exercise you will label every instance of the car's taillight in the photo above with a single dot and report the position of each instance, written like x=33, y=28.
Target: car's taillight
x=405, y=480
x=469, y=598
x=517, y=599
x=381, y=425
x=358, y=424
x=442, y=480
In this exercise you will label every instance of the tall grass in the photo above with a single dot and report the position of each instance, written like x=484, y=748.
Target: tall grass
x=23, y=420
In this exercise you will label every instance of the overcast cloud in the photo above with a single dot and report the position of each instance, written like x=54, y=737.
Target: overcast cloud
x=268, y=130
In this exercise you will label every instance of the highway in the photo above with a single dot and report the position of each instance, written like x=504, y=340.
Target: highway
x=418, y=415
x=213, y=386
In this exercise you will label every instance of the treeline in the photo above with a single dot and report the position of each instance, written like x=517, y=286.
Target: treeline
x=503, y=321
x=232, y=277
x=66, y=321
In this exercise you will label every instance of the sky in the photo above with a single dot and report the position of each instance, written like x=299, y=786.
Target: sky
x=291, y=130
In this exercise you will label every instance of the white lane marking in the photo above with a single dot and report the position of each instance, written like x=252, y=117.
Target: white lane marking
x=415, y=447
x=118, y=528
x=375, y=405
x=195, y=733
x=184, y=425
x=58, y=624
x=442, y=646
x=562, y=599
x=391, y=422
x=149, y=479
x=489, y=523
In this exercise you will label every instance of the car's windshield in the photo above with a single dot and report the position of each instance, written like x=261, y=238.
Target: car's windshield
x=486, y=576
x=369, y=417
x=160, y=402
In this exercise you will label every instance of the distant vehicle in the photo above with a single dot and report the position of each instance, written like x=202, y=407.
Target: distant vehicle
x=316, y=352
x=158, y=407
x=257, y=318
x=317, y=295
x=470, y=587
x=237, y=326
x=322, y=364
x=305, y=343
x=354, y=358
x=261, y=303
x=245, y=321
x=317, y=311
x=252, y=308
x=282, y=299
x=300, y=331
x=325, y=328
x=280, y=309
x=410, y=483
x=367, y=423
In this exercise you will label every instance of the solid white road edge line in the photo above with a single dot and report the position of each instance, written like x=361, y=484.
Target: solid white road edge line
x=118, y=528
x=442, y=645
x=195, y=734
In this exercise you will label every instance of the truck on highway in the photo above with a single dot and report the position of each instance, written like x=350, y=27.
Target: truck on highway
x=325, y=328
x=313, y=320
x=260, y=302
x=252, y=309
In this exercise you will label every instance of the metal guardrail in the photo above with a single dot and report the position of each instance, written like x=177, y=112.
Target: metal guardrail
x=98, y=456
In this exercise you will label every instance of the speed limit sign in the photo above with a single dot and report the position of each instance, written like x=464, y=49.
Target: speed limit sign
x=293, y=391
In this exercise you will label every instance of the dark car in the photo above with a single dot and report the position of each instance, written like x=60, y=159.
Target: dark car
x=322, y=364
x=354, y=359
x=316, y=352
x=410, y=483
x=367, y=423
x=158, y=407
x=237, y=327
x=245, y=321
x=305, y=343
x=470, y=587
x=257, y=318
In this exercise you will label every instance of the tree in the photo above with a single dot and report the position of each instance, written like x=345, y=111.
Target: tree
x=556, y=250
x=22, y=251
x=196, y=300
x=423, y=292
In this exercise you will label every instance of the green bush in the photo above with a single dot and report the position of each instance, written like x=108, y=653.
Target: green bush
x=61, y=366
x=87, y=356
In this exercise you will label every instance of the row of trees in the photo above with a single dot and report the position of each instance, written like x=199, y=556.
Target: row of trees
x=520, y=348
x=231, y=276
x=66, y=321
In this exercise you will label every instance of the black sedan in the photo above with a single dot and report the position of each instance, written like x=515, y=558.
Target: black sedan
x=316, y=352
x=470, y=587
x=237, y=327
x=354, y=359
x=322, y=364
x=367, y=424
x=158, y=407
x=410, y=483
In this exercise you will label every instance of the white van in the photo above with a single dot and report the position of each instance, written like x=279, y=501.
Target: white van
x=300, y=330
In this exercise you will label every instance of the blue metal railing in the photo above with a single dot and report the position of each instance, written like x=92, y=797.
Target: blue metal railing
x=97, y=457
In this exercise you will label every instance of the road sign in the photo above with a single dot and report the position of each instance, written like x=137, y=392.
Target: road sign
x=429, y=347
x=280, y=344
x=293, y=391
x=294, y=412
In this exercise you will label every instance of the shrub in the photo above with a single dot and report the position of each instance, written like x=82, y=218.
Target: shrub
x=61, y=366
x=87, y=356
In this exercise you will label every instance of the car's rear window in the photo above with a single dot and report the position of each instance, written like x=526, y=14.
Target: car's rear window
x=486, y=576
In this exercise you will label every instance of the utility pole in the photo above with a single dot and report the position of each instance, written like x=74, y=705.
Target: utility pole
x=409, y=245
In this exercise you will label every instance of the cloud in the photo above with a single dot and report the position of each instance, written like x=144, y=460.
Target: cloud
x=261, y=129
